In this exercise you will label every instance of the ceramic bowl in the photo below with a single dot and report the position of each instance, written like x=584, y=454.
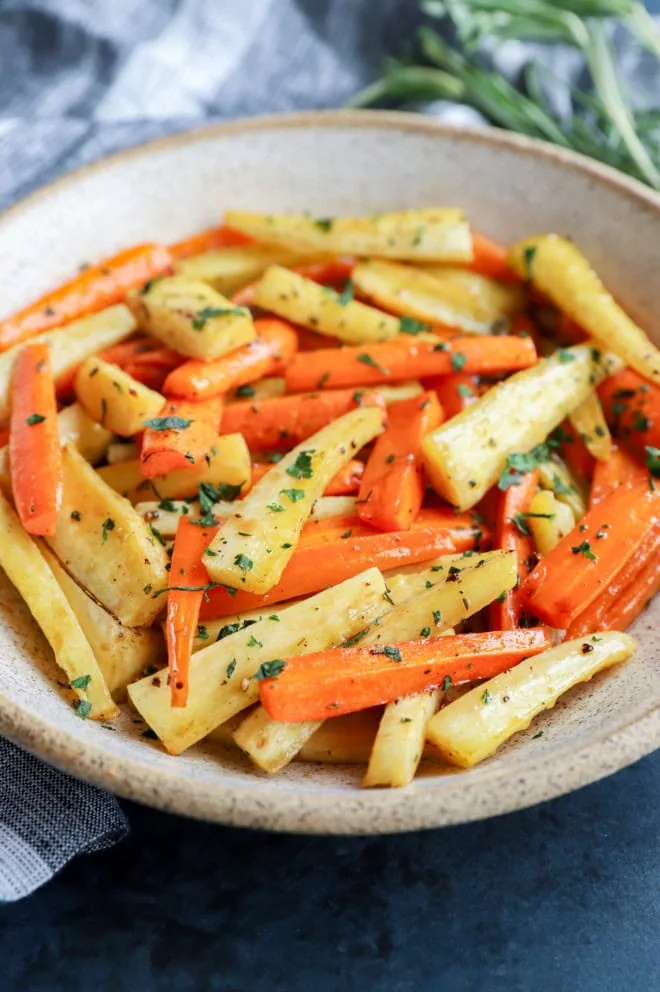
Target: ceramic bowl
x=332, y=163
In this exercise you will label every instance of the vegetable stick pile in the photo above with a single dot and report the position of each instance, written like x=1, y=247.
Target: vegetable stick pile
x=365, y=489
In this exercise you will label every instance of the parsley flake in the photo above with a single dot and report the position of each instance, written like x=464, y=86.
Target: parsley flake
x=168, y=423
x=34, y=418
x=269, y=669
x=302, y=467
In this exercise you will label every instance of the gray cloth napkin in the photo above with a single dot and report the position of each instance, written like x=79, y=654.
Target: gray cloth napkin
x=82, y=78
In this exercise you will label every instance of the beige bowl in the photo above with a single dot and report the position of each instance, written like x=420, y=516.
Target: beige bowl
x=332, y=163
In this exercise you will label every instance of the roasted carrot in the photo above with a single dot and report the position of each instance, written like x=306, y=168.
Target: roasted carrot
x=34, y=445
x=392, y=487
x=266, y=355
x=490, y=259
x=311, y=341
x=93, y=289
x=347, y=480
x=180, y=437
x=141, y=350
x=4, y=436
x=621, y=469
x=513, y=534
x=284, y=421
x=149, y=375
x=345, y=483
x=186, y=581
x=574, y=451
x=632, y=409
x=345, y=680
x=407, y=357
x=568, y=579
x=212, y=237
x=334, y=273
x=434, y=532
x=620, y=602
x=455, y=392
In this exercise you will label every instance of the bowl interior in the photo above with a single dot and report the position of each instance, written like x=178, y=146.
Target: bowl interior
x=331, y=164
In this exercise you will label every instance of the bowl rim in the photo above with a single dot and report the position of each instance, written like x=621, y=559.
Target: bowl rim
x=360, y=812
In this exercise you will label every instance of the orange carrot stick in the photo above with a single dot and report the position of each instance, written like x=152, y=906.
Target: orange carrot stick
x=434, y=532
x=632, y=409
x=186, y=581
x=212, y=237
x=347, y=480
x=123, y=354
x=620, y=602
x=334, y=273
x=34, y=445
x=568, y=579
x=513, y=534
x=284, y=421
x=574, y=451
x=4, y=436
x=621, y=469
x=345, y=483
x=266, y=355
x=179, y=437
x=490, y=259
x=149, y=375
x=407, y=358
x=455, y=392
x=345, y=680
x=93, y=289
x=392, y=487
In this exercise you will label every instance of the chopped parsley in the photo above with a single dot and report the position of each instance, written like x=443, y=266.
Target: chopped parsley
x=366, y=359
x=269, y=669
x=653, y=462
x=425, y=632
x=209, y=494
x=208, y=312
x=519, y=464
x=83, y=708
x=81, y=682
x=107, y=526
x=275, y=507
x=464, y=390
x=437, y=617
x=408, y=325
x=458, y=360
x=231, y=668
x=156, y=533
x=254, y=643
x=584, y=549
x=486, y=696
x=244, y=563
x=302, y=467
x=446, y=683
x=519, y=521
x=324, y=223
x=347, y=294
x=528, y=260
x=560, y=487
x=565, y=356
x=355, y=639
x=202, y=632
x=168, y=423
x=34, y=418
x=390, y=651
x=246, y=390
x=295, y=495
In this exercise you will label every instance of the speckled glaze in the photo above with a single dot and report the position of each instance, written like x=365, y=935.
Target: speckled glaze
x=332, y=163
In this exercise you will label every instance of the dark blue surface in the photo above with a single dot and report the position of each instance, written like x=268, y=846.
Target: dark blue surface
x=560, y=897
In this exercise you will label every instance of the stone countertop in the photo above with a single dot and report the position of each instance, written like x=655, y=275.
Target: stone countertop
x=564, y=896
